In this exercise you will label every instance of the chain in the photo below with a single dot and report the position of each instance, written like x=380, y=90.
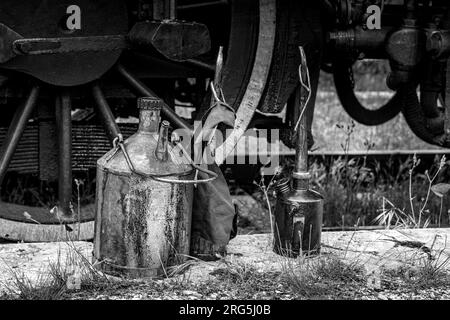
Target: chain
x=306, y=85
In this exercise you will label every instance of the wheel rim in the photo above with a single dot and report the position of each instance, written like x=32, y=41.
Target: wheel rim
x=257, y=81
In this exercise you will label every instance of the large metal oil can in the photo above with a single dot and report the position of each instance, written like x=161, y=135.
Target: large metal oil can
x=142, y=225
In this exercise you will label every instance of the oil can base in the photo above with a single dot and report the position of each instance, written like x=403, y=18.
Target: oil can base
x=298, y=223
x=206, y=250
x=127, y=272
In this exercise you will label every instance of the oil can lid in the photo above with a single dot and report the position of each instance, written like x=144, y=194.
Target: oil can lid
x=149, y=103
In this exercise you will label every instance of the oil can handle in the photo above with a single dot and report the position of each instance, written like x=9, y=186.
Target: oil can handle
x=118, y=143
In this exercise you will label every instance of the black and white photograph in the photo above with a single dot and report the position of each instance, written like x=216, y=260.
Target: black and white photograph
x=227, y=158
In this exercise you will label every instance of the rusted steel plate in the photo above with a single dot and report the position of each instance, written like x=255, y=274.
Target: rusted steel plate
x=46, y=19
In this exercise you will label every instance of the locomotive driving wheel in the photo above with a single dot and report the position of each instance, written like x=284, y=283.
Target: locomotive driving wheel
x=57, y=65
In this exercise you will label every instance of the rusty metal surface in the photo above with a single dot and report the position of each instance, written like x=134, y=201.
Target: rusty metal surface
x=175, y=40
x=43, y=19
x=41, y=46
x=141, y=225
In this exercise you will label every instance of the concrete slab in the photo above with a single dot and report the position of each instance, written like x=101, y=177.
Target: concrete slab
x=373, y=249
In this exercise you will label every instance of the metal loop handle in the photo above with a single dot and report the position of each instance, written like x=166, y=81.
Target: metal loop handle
x=303, y=72
x=118, y=143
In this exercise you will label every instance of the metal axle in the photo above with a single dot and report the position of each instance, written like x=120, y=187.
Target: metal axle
x=64, y=124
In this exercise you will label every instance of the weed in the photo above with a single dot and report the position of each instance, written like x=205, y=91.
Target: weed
x=244, y=279
x=297, y=276
x=319, y=276
x=422, y=275
x=43, y=288
x=391, y=214
x=266, y=189
x=73, y=271
x=333, y=268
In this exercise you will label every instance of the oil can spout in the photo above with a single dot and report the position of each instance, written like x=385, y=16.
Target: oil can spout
x=162, y=152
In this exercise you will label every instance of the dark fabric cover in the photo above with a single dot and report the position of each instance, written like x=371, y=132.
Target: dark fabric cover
x=213, y=210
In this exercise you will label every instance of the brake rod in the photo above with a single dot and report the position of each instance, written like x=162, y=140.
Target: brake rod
x=16, y=129
x=143, y=90
x=105, y=114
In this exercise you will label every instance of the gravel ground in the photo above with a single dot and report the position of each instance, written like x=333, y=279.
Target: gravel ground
x=163, y=290
x=380, y=265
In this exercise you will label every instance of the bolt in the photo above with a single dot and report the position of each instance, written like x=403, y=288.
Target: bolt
x=434, y=43
x=410, y=23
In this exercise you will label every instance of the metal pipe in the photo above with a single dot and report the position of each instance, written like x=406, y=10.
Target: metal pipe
x=161, y=151
x=172, y=9
x=204, y=66
x=370, y=42
x=105, y=114
x=202, y=4
x=143, y=90
x=64, y=127
x=410, y=9
x=16, y=130
x=300, y=173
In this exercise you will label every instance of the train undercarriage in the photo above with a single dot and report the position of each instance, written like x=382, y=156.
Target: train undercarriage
x=68, y=77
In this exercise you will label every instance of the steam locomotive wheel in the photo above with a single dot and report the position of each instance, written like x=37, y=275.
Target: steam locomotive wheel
x=248, y=59
x=258, y=80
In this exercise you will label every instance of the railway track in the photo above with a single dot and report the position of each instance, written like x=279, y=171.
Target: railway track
x=387, y=160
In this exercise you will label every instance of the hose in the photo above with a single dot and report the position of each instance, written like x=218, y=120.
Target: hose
x=416, y=120
x=346, y=94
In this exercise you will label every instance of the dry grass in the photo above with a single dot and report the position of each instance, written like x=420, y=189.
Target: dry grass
x=423, y=271
x=70, y=271
x=326, y=276
x=315, y=277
